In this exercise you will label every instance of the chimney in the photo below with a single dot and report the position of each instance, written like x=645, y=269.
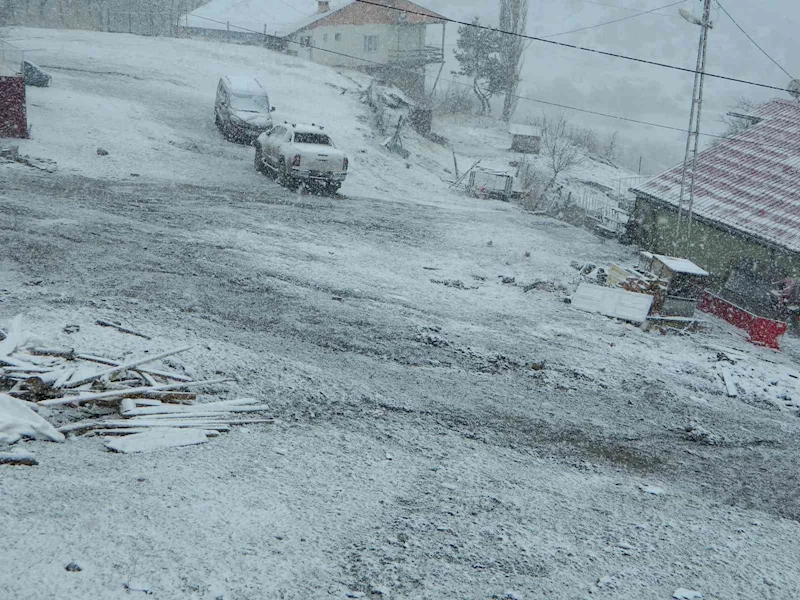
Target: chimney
x=323, y=6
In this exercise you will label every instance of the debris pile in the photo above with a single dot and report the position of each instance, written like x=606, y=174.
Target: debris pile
x=141, y=408
x=10, y=154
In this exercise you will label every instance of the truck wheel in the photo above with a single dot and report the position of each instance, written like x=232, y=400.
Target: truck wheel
x=217, y=122
x=286, y=180
x=332, y=188
x=259, y=160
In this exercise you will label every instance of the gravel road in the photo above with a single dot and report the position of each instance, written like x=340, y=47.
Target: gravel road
x=418, y=454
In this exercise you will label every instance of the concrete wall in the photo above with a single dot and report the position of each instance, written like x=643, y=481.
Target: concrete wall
x=718, y=251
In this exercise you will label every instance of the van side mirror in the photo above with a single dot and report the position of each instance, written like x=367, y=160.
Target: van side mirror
x=272, y=109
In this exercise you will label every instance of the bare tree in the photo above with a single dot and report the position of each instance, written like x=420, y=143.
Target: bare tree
x=558, y=148
x=611, y=147
x=513, y=18
x=737, y=124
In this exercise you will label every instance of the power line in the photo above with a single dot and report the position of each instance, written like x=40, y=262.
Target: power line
x=764, y=52
x=576, y=47
x=638, y=14
x=517, y=96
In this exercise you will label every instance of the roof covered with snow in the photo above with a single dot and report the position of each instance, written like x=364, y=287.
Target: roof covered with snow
x=276, y=17
x=242, y=84
x=281, y=18
x=749, y=182
x=681, y=265
x=525, y=130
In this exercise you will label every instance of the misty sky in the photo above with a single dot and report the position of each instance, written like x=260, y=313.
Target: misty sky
x=639, y=91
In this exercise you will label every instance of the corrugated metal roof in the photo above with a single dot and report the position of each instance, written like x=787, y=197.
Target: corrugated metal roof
x=749, y=182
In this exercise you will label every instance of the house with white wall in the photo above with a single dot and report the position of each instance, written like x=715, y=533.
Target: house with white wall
x=395, y=39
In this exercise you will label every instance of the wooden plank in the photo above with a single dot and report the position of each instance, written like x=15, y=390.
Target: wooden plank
x=159, y=412
x=18, y=458
x=132, y=423
x=110, y=432
x=104, y=323
x=113, y=363
x=127, y=365
x=730, y=383
x=126, y=393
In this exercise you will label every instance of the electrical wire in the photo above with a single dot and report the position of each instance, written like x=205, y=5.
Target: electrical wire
x=516, y=96
x=576, y=47
x=764, y=52
x=638, y=14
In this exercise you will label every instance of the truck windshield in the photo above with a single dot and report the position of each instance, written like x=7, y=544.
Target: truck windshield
x=318, y=139
x=253, y=103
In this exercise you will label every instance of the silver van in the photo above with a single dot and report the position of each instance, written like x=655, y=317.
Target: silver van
x=242, y=109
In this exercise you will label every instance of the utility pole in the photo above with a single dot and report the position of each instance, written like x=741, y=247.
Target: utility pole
x=689, y=170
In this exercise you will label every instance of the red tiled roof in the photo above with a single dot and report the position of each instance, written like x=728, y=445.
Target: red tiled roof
x=749, y=182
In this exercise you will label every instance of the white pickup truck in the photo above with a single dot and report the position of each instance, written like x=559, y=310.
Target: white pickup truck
x=301, y=154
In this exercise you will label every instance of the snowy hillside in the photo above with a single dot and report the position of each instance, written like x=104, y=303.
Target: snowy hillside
x=447, y=424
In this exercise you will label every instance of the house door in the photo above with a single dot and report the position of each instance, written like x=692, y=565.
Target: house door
x=305, y=48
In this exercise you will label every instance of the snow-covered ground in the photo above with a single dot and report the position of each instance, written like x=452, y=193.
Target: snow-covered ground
x=418, y=454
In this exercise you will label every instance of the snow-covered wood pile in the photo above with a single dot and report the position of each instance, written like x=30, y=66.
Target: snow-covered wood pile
x=146, y=408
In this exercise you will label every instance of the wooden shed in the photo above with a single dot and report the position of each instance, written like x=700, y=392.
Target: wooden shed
x=525, y=139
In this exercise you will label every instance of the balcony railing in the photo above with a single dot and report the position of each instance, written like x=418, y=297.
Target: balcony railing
x=420, y=56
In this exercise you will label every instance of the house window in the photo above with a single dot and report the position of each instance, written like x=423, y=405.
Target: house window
x=370, y=43
x=305, y=41
x=324, y=37
x=338, y=37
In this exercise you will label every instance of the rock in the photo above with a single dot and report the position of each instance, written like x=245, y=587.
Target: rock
x=508, y=280
x=527, y=254
x=380, y=591
x=72, y=328
x=605, y=581
x=355, y=594
x=102, y=152
x=73, y=567
x=652, y=490
x=281, y=451
x=697, y=433
x=489, y=243
x=684, y=594
x=512, y=595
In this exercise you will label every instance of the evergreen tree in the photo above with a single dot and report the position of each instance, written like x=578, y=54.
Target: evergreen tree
x=478, y=55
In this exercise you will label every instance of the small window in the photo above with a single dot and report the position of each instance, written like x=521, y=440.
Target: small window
x=370, y=43
x=324, y=37
x=337, y=37
x=305, y=41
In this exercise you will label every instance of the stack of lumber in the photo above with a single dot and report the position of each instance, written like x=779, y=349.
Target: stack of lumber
x=639, y=282
x=154, y=408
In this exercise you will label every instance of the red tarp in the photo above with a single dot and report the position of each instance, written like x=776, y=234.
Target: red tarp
x=13, y=120
x=764, y=332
